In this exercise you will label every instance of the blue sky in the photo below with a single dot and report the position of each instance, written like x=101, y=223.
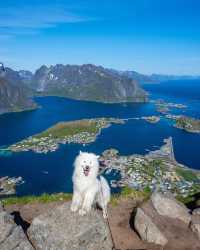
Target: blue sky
x=149, y=36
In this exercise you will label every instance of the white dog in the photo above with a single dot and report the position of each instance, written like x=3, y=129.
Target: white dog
x=87, y=187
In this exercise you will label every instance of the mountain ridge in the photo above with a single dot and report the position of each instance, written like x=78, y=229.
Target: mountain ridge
x=14, y=96
x=87, y=82
x=156, y=78
x=81, y=82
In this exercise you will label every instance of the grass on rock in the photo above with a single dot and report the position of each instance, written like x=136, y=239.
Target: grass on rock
x=44, y=198
x=130, y=193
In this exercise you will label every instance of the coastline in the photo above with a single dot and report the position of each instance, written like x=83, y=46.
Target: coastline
x=82, y=131
x=156, y=170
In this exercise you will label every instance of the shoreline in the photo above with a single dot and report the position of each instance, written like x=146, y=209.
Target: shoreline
x=156, y=170
x=82, y=131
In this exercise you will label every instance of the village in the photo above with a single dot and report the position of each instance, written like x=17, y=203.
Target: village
x=50, y=144
x=80, y=132
x=157, y=170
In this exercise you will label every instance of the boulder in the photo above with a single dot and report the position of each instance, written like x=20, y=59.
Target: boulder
x=12, y=236
x=195, y=225
x=16, y=240
x=147, y=229
x=61, y=229
x=196, y=211
x=171, y=233
x=167, y=205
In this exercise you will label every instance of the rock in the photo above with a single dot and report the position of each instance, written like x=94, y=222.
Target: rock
x=172, y=233
x=16, y=240
x=167, y=205
x=11, y=235
x=6, y=226
x=195, y=225
x=196, y=211
x=147, y=230
x=1, y=207
x=61, y=229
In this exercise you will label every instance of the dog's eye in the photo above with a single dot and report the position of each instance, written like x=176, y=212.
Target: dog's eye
x=84, y=161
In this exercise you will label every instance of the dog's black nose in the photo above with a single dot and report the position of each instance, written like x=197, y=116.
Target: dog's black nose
x=87, y=167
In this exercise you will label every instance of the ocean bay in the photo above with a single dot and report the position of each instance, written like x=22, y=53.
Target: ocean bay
x=52, y=172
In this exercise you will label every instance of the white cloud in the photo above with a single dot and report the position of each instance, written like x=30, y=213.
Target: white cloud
x=28, y=19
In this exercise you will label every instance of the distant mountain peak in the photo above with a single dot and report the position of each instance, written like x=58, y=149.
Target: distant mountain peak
x=87, y=82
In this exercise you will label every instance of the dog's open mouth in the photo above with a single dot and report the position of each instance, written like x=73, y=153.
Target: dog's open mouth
x=86, y=171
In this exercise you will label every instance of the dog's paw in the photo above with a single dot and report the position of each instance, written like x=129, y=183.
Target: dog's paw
x=74, y=208
x=82, y=212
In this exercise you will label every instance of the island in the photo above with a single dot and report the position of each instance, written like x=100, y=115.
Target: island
x=188, y=124
x=151, y=119
x=8, y=185
x=164, y=107
x=172, y=117
x=80, y=131
x=157, y=170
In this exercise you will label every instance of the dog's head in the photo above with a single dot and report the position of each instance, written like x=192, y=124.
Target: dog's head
x=87, y=164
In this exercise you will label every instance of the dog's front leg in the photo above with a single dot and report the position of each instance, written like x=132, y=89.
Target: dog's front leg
x=76, y=201
x=87, y=202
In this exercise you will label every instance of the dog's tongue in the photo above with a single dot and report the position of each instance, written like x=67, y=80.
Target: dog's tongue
x=86, y=172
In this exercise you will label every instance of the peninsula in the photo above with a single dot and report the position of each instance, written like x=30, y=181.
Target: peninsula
x=81, y=131
x=157, y=170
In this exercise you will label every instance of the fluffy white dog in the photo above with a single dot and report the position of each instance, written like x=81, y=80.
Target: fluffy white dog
x=87, y=188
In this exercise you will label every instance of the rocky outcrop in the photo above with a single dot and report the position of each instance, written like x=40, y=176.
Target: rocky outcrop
x=155, y=223
x=147, y=229
x=54, y=226
x=11, y=235
x=195, y=224
x=61, y=229
x=196, y=211
x=167, y=205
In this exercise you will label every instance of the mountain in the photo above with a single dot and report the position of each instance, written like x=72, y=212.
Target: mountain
x=25, y=76
x=13, y=95
x=154, y=78
x=87, y=82
x=141, y=78
x=163, y=78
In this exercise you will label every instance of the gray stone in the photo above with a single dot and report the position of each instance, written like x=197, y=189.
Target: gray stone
x=196, y=211
x=6, y=226
x=147, y=230
x=167, y=205
x=195, y=225
x=61, y=229
x=12, y=236
x=1, y=207
x=16, y=240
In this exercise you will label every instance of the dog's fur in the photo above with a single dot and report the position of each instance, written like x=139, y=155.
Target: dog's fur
x=87, y=188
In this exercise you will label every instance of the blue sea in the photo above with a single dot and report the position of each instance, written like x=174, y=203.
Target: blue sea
x=52, y=172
